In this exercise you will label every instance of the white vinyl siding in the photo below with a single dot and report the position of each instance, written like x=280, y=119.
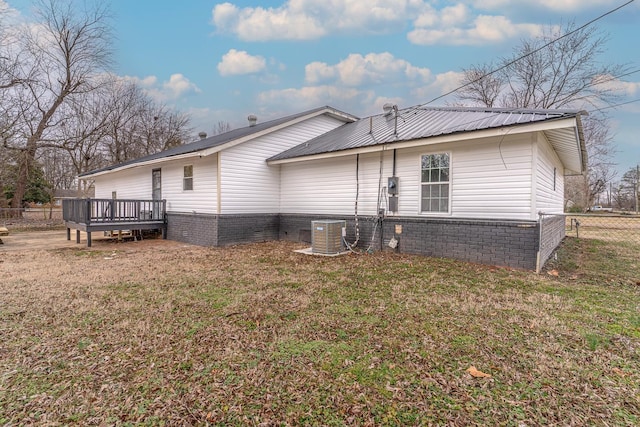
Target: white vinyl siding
x=548, y=199
x=136, y=184
x=328, y=186
x=202, y=199
x=249, y=185
x=127, y=184
x=489, y=179
x=492, y=179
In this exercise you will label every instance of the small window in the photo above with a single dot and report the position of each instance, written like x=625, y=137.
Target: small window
x=435, y=181
x=554, y=178
x=187, y=182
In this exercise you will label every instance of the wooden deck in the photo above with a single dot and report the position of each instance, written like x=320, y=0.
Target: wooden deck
x=91, y=215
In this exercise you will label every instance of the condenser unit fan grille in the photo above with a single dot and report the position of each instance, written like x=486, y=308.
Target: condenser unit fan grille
x=326, y=236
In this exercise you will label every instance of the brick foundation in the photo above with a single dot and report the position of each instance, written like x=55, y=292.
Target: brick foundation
x=196, y=229
x=553, y=231
x=234, y=229
x=504, y=243
x=494, y=242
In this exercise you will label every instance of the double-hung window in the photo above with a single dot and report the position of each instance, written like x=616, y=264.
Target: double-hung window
x=187, y=181
x=435, y=183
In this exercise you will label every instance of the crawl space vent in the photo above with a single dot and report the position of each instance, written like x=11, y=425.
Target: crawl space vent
x=326, y=236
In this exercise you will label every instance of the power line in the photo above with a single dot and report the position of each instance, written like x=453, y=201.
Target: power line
x=615, y=106
x=528, y=54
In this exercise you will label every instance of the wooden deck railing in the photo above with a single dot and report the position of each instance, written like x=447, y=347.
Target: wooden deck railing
x=100, y=211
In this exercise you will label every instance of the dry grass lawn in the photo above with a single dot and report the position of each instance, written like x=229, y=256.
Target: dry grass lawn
x=159, y=333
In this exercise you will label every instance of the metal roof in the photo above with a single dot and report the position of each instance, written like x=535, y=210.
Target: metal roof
x=427, y=122
x=222, y=139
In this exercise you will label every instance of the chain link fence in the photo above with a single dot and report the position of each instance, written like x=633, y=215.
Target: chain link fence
x=619, y=233
x=607, y=227
x=607, y=245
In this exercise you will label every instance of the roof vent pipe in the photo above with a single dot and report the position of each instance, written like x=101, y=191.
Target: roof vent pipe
x=252, y=119
x=202, y=135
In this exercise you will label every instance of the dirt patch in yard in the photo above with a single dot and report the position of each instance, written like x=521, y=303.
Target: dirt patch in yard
x=57, y=239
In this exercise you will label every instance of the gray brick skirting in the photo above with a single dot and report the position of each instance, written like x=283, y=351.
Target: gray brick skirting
x=221, y=230
x=234, y=229
x=503, y=243
x=495, y=242
x=553, y=231
x=196, y=229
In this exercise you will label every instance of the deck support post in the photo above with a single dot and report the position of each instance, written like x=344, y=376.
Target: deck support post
x=77, y=236
x=88, y=239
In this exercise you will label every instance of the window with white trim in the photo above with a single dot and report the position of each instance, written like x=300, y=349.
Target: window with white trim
x=435, y=181
x=187, y=181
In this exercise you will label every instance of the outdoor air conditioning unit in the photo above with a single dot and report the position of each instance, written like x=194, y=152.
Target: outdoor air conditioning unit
x=326, y=236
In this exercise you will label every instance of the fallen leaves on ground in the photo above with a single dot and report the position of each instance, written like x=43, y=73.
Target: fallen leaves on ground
x=476, y=373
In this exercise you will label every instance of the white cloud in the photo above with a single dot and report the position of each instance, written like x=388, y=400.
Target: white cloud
x=551, y=5
x=441, y=84
x=311, y=96
x=319, y=71
x=358, y=100
x=177, y=86
x=259, y=24
x=148, y=81
x=10, y=16
x=454, y=15
x=615, y=85
x=373, y=68
x=311, y=19
x=458, y=23
x=237, y=62
x=484, y=29
x=575, y=5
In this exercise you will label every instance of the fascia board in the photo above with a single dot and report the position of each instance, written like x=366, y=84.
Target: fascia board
x=147, y=163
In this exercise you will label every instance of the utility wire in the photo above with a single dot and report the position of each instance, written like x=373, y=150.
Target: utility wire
x=528, y=54
x=615, y=106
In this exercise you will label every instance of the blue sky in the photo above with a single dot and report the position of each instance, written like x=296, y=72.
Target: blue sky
x=221, y=61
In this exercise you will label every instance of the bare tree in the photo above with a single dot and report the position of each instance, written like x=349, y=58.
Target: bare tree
x=79, y=138
x=549, y=71
x=59, y=106
x=629, y=189
x=61, y=57
x=221, y=127
x=138, y=126
x=585, y=189
x=481, y=86
x=556, y=71
x=160, y=128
